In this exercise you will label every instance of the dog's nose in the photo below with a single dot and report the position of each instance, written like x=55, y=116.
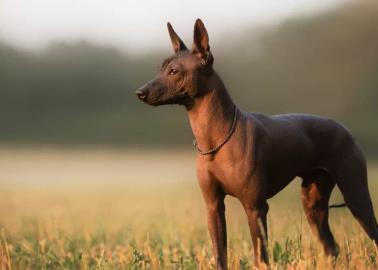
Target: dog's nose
x=141, y=94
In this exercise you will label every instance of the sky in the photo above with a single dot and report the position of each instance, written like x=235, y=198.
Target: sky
x=139, y=25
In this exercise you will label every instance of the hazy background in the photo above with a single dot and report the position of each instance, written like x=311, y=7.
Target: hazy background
x=68, y=70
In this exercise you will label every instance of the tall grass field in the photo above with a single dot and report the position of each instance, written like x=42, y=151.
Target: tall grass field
x=110, y=209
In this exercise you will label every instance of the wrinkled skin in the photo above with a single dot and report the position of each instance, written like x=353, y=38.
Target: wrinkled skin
x=263, y=155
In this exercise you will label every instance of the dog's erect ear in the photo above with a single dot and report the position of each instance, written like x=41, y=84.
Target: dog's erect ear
x=201, y=45
x=177, y=44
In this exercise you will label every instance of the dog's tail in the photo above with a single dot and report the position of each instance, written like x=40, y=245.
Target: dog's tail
x=337, y=205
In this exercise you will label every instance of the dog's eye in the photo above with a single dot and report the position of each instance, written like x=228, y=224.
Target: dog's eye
x=172, y=71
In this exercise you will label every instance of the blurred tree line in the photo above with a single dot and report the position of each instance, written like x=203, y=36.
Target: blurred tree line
x=84, y=94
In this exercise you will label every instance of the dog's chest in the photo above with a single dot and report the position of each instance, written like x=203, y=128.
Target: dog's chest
x=232, y=175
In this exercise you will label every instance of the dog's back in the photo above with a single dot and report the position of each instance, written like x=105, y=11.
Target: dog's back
x=315, y=136
x=291, y=145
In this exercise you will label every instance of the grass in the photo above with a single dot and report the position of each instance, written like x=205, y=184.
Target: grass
x=99, y=209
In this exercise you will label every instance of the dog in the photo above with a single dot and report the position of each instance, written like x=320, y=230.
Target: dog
x=253, y=156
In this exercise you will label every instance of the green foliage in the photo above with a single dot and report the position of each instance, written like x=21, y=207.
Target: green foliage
x=84, y=94
x=288, y=254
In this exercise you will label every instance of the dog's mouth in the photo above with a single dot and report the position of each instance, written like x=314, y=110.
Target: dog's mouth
x=158, y=100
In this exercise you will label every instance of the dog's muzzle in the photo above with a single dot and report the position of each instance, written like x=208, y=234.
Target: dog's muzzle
x=142, y=94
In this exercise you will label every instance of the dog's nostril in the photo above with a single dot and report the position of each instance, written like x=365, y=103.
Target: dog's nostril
x=141, y=94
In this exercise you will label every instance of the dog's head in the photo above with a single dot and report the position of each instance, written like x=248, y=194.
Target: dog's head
x=183, y=76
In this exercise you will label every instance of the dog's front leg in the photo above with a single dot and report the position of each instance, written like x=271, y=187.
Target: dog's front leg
x=214, y=198
x=258, y=228
x=217, y=228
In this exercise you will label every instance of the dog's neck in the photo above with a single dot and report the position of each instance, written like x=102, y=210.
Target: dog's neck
x=211, y=115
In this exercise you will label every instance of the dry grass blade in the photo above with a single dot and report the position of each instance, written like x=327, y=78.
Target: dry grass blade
x=7, y=259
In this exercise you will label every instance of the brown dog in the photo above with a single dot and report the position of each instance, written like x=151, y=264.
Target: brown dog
x=253, y=156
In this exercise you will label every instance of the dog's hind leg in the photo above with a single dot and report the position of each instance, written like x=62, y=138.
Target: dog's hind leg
x=351, y=178
x=316, y=191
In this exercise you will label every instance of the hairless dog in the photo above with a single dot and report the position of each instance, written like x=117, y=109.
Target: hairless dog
x=253, y=156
